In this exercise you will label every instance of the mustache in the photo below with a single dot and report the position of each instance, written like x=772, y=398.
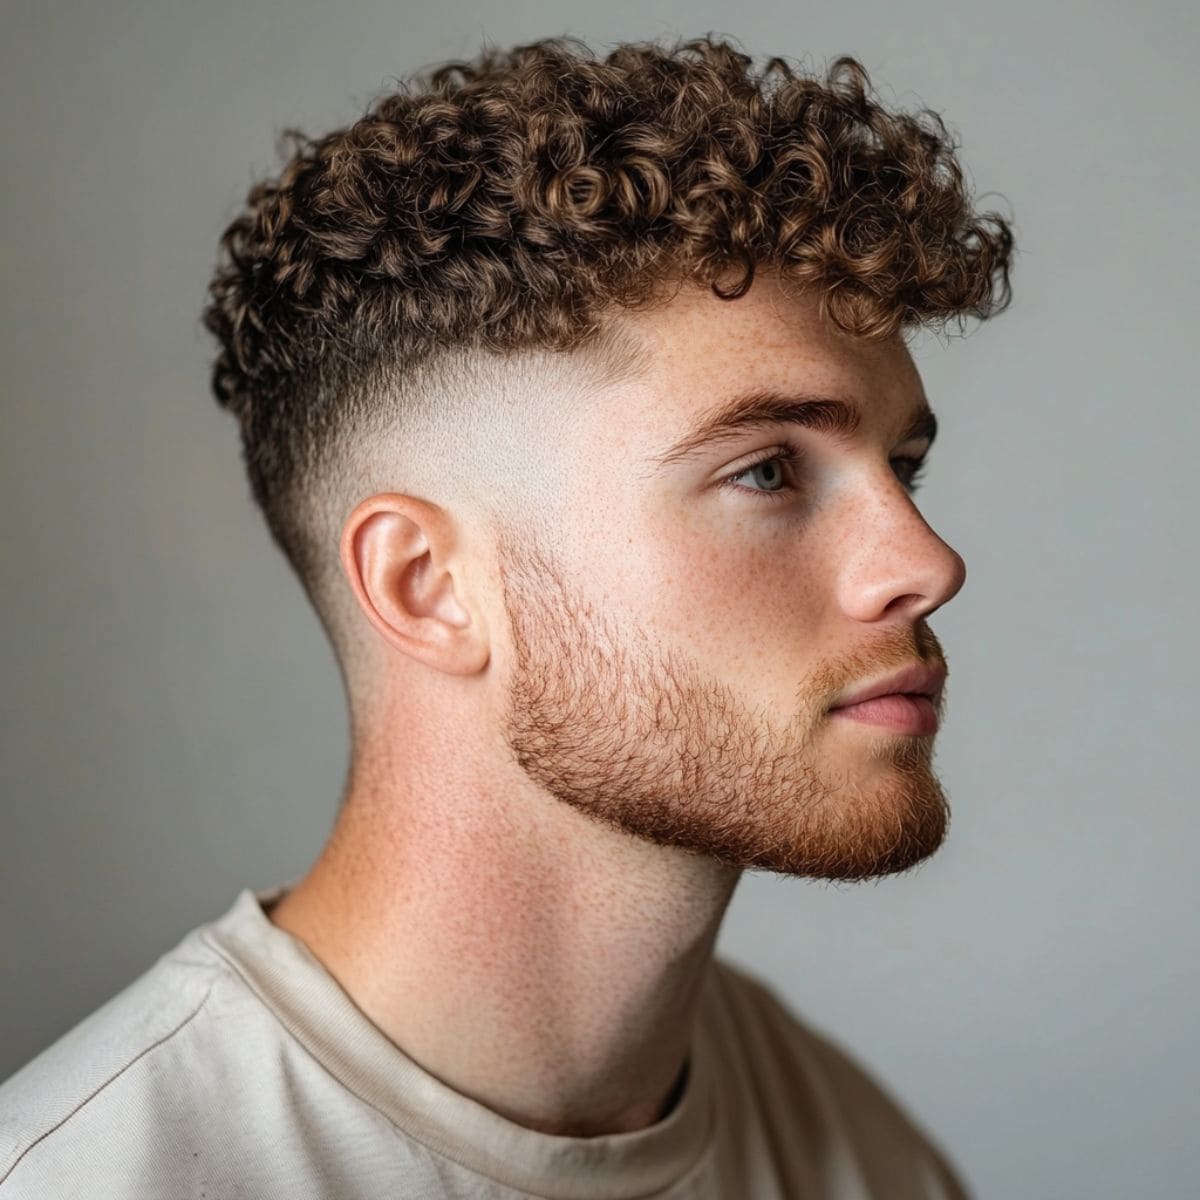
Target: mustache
x=887, y=651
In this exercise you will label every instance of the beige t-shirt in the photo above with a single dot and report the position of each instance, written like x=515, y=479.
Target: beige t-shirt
x=236, y=1066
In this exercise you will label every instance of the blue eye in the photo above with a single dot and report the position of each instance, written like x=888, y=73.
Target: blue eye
x=788, y=456
x=777, y=457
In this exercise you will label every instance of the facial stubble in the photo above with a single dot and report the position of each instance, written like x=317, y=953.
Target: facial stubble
x=633, y=734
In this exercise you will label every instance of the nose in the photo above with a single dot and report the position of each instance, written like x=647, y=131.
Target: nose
x=894, y=566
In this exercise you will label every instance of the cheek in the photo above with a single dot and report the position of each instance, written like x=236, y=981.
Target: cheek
x=735, y=601
x=739, y=595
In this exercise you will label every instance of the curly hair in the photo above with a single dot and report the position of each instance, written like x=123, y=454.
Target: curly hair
x=509, y=203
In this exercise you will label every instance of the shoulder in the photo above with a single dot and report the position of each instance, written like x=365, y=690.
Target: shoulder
x=116, y=1076
x=800, y=1076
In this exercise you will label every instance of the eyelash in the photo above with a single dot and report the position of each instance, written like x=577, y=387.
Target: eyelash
x=790, y=455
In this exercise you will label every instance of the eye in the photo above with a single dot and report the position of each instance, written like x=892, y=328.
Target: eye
x=911, y=472
x=786, y=459
x=782, y=459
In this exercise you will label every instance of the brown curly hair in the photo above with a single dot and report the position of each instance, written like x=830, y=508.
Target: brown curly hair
x=509, y=203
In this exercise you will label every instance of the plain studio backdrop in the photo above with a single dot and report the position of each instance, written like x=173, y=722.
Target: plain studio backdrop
x=174, y=728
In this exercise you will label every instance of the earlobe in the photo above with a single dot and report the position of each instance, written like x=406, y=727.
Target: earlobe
x=398, y=555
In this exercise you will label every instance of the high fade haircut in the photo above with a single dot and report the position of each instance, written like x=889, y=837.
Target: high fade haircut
x=378, y=303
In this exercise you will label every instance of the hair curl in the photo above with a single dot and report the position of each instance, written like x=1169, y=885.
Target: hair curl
x=506, y=203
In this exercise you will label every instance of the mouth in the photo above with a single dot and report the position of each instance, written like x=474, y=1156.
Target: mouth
x=904, y=701
x=901, y=712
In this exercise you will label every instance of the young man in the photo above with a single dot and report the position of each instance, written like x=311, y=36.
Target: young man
x=576, y=392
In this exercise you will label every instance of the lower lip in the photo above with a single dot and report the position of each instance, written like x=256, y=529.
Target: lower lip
x=901, y=712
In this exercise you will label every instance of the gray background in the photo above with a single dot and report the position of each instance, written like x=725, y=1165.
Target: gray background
x=173, y=723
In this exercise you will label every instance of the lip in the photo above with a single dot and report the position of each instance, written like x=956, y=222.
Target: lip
x=899, y=712
x=915, y=681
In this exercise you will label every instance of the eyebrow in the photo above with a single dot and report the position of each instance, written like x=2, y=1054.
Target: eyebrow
x=834, y=415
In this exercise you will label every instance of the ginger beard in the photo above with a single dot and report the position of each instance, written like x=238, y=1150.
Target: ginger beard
x=637, y=736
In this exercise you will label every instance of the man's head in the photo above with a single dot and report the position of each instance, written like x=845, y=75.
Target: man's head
x=469, y=340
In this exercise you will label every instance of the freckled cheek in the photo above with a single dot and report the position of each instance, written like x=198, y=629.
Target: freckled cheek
x=735, y=600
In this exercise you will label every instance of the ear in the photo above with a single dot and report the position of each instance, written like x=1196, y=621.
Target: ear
x=403, y=559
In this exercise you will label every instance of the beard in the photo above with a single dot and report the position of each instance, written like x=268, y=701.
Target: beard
x=637, y=736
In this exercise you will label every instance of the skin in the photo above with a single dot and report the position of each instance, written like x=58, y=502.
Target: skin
x=584, y=729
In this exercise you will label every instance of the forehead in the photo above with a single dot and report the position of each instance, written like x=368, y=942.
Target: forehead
x=698, y=350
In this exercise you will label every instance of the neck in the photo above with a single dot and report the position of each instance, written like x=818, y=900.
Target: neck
x=542, y=964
